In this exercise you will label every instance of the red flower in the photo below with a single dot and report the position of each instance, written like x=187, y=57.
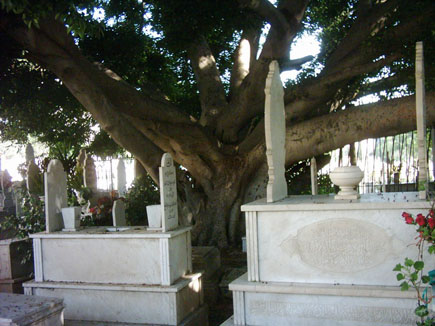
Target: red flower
x=92, y=210
x=431, y=213
x=408, y=218
x=431, y=222
x=421, y=220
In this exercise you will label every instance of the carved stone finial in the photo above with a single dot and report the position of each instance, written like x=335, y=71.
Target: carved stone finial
x=274, y=120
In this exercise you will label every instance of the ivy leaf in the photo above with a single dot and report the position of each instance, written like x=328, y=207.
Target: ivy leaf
x=409, y=262
x=421, y=311
x=398, y=268
x=400, y=276
x=419, y=265
x=414, y=276
x=404, y=286
x=425, y=279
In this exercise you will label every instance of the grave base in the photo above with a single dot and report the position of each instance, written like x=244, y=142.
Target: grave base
x=198, y=318
x=294, y=304
x=14, y=285
x=126, y=303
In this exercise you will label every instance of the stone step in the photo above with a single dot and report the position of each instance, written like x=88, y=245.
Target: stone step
x=198, y=318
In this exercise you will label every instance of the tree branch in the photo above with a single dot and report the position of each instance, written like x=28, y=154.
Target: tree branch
x=249, y=101
x=269, y=12
x=334, y=130
x=323, y=134
x=211, y=90
x=244, y=58
x=294, y=64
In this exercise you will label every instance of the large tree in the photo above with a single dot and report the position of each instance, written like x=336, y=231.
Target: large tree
x=188, y=77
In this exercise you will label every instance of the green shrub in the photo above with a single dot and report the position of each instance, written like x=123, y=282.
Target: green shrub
x=143, y=192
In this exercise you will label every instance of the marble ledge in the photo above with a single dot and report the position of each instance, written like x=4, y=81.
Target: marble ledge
x=176, y=287
x=243, y=285
x=380, y=201
x=101, y=232
x=18, y=309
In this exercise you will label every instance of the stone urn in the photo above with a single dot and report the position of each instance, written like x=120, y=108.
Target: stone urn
x=347, y=178
x=154, y=214
x=71, y=218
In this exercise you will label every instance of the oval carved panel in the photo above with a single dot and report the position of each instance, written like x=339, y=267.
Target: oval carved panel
x=342, y=245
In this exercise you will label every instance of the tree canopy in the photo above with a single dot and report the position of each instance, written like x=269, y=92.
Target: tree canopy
x=187, y=77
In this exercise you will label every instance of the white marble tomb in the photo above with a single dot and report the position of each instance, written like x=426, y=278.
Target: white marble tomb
x=313, y=259
x=119, y=275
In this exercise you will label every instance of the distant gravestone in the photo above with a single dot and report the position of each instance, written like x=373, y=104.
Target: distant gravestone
x=274, y=120
x=55, y=195
x=90, y=173
x=33, y=180
x=118, y=213
x=30, y=153
x=168, y=193
x=122, y=179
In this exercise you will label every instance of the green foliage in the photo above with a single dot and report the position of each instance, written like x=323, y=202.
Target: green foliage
x=143, y=192
x=76, y=14
x=103, y=146
x=32, y=219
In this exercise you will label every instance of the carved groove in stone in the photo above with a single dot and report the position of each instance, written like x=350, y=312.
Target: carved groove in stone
x=37, y=257
x=164, y=258
x=239, y=308
x=252, y=246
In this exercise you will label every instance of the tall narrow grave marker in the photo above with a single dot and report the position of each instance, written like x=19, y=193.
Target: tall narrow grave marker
x=55, y=195
x=122, y=179
x=168, y=193
x=421, y=121
x=274, y=119
x=118, y=213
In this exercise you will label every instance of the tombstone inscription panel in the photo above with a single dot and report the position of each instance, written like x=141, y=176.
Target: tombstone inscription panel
x=168, y=193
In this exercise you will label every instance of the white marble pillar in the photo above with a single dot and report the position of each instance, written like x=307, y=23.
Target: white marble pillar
x=421, y=121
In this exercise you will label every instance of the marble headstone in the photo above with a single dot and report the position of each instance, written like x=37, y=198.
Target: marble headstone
x=168, y=193
x=274, y=119
x=122, y=180
x=90, y=173
x=118, y=213
x=421, y=121
x=30, y=153
x=33, y=177
x=55, y=195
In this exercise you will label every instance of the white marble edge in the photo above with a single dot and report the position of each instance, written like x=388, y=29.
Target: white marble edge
x=100, y=234
x=399, y=200
x=11, y=240
x=242, y=284
x=176, y=287
x=42, y=306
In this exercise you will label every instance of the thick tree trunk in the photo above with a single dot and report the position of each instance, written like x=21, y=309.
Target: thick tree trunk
x=224, y=151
